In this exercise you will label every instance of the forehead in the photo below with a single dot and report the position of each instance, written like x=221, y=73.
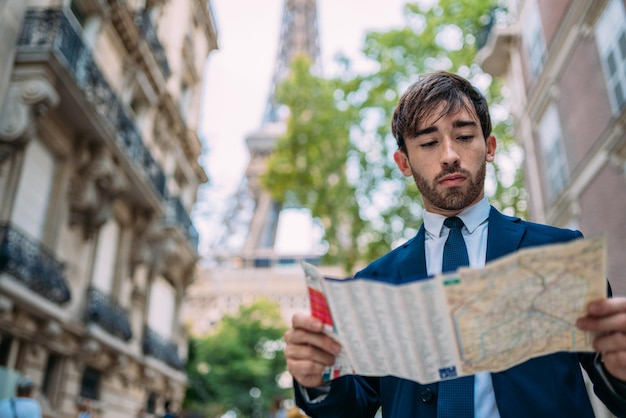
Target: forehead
x=451, y=111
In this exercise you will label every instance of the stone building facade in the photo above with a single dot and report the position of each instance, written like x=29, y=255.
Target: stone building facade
x=99, y=170
x=564, y=65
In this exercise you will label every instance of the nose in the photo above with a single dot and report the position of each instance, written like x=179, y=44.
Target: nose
x=449, y=154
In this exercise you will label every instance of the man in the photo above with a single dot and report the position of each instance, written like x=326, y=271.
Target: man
x=23, y=405
x=84, y=409
x=168, y=410
x=443, y=130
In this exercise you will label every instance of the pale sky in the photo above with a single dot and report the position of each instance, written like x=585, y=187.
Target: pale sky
x=238, y=74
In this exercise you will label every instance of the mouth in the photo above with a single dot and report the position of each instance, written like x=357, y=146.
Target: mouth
x=451, y=180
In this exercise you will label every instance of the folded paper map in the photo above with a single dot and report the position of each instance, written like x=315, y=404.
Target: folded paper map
x=517, y=307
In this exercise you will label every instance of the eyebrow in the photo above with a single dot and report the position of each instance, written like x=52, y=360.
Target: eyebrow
x=455, y=124
x=463, y=123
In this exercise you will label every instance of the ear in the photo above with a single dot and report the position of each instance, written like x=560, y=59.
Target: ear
x=491, y=149
x=402, y=161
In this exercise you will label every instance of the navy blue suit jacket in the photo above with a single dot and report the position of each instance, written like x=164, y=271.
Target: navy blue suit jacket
x=548, y=386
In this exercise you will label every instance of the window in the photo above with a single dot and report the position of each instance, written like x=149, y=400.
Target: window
x=611, y=38
x=106, y=256
x=139, y=97
x=87, y=19
x=33, y=193
x=52, y=379
x=5, y=349
x=162, y=307
x=140, y=106
x=184, y=102
x=555, y=162
x=90, y=383
x=534, y=39
x=78, y=13
x=181, y=184
x=151, y=403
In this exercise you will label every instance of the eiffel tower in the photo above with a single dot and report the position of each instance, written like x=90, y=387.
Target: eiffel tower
x=256, y=269
x=298, y=35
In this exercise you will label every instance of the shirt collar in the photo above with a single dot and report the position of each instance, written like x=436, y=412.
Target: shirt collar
x=472, y=217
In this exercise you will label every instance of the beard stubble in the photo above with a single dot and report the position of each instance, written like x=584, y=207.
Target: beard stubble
x=453, y=198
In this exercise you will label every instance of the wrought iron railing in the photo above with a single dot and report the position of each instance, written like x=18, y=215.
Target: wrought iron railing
x=158, y=347
x=32, y=264
x=51, y=31
x=178, y=214
x=108, y=315
x=145, y=25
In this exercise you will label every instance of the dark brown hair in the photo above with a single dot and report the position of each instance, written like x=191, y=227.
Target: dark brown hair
x=424, y=96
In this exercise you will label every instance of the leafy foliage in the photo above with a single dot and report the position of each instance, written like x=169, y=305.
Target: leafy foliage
x=241, y=359
x=309, y=165
x=336, y=156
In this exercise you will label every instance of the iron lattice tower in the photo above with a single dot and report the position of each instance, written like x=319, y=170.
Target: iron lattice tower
x=298, y=35
x=246, y=246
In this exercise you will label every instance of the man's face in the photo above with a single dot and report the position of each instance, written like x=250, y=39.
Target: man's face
x=447, y=159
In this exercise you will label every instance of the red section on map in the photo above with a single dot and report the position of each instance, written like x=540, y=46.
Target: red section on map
x=319, y=307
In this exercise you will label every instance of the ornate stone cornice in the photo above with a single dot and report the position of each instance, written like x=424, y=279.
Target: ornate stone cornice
x=148, y=232
x=97, y=182
x=157, y=247
x=188, y=141
x=27, y=99
x=204, y=14
x=125, y=23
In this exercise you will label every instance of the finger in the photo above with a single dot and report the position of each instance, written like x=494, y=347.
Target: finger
x=317, y=340
x=608, y=306
x=610, y=343
x=307, y=374
x=615, y=364
x=309, y=330
x=308, y=322
x=615, y=322
x=309, y=352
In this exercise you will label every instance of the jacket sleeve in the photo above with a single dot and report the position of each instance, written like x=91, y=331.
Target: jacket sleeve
x=349, y=397
x=611, y=391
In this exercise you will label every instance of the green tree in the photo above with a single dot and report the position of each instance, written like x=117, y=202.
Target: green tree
x=237, y=366
x=309, y=165
x=336, y=156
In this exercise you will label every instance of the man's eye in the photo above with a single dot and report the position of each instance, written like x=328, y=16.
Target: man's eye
x=428, y=144
x=466, y=137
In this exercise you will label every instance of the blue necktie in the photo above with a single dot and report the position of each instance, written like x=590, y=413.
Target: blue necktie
x=456, y=396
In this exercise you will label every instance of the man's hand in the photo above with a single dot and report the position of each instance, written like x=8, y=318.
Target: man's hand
x=309, y=350
x=608, y=318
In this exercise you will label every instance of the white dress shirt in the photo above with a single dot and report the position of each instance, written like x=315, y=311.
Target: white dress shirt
x=474, y=233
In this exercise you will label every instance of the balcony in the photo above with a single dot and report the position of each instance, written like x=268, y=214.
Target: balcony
x=144, y=23
x=178, y=215
x=32, y=264
x=494, y=43
x=112, y=318
x=158, y=347
x=50, y=32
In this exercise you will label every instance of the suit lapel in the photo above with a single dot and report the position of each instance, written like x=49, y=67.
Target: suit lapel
x=412, y=260
x=504, y=235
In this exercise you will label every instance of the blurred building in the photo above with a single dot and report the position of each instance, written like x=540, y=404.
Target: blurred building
x=223, y=290
x=99, y=105
x=564, y=65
